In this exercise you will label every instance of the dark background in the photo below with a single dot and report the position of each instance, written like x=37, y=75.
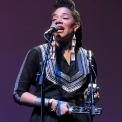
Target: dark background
x=22, y=24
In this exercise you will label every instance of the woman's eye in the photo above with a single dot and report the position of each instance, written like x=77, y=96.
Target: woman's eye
x=65, y=18
x=53, y=19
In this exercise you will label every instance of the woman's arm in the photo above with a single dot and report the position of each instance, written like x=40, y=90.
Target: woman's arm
x=26, y=77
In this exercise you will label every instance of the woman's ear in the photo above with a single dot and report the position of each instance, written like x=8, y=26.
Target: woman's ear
x=76, y=26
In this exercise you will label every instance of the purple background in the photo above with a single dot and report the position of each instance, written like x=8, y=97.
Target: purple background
x=22, y=24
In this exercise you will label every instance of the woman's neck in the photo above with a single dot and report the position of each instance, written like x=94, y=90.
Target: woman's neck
x=67, y=55
x=66, y=51
x=65, y=46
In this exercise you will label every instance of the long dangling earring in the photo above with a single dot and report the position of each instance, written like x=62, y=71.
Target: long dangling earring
x=52, y=50
x=73, y=48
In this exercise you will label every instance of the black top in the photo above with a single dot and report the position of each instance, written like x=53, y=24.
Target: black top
x=63, y=81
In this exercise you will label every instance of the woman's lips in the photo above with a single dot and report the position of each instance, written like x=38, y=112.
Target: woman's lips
x=60, y=29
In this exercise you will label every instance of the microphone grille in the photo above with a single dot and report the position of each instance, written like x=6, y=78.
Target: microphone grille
x=54, y=26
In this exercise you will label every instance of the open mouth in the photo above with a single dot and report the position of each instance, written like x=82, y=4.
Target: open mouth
x=60, y=28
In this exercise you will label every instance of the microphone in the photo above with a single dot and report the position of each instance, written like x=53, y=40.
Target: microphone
x=53, y=28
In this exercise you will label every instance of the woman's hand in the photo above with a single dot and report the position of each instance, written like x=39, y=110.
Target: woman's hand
x=60, y=107
x=96, y=95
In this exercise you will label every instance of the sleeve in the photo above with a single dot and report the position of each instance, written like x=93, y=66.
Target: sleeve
x=27, y=74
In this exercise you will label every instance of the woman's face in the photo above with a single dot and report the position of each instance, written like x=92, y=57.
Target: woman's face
x=63, y=18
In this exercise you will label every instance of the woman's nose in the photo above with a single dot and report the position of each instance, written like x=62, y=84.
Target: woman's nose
x=58, y=21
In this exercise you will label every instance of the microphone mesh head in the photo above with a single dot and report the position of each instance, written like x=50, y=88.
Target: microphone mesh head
x=54, y=26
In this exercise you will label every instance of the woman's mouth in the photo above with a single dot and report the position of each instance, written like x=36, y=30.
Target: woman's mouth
x=60, y=29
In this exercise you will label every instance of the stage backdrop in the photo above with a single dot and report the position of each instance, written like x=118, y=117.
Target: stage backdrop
x=22, y=24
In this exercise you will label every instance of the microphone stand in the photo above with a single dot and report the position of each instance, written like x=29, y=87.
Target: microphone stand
x=92, y=106
x=42, y=76
x=92, y=90
x=89, y=103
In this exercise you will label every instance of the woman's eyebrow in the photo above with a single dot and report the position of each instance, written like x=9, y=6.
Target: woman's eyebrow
x=62, y=13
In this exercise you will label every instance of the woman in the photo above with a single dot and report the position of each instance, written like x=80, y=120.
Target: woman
x=67, y=70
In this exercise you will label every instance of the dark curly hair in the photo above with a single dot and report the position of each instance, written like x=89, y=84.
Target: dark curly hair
x=71, y=6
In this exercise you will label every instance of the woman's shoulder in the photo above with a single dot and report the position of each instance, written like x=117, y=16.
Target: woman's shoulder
x=86, y=51
x=37, y=48
x=37, y=51
x=83, y=50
